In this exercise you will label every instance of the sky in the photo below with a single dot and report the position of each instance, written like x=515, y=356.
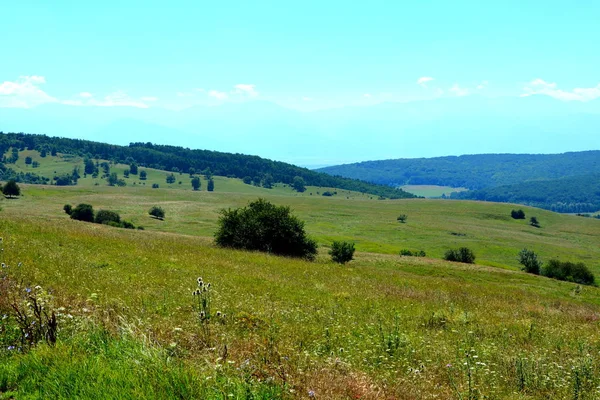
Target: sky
x=302, y=55
x=305, y=55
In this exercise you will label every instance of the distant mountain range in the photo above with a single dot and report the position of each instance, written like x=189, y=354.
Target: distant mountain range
x=468, y=125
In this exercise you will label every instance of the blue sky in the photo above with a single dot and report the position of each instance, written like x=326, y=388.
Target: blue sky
x=305, y=55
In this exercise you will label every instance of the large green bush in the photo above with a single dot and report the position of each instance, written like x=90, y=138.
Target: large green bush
x=83, y=212
x=106, y=216
x=463, y=255
x=265, y=227
x=568, y=271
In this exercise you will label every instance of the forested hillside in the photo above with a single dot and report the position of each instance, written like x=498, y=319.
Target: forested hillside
x=173, y=158
x=472, y=171
x=568, y=195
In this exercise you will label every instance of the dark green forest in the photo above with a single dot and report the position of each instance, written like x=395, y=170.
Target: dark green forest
x=567, y=195
x=472, y=171
x=182, y=159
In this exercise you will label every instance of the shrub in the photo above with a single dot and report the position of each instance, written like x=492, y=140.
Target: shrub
x=127, y=225
x=342, y=252
x=568, y=271
x=83, y=212
x=68, y=208
x=408, y=253
x=157, y=212
x=105, y=216
x=327, y=194
x=155, y=186
x=265, y=227
x=517, y=214
x=463, y=255
x=528, y=259
x=402, y=218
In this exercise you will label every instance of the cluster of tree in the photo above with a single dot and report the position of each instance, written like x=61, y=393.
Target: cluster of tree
x=463, y=255
x=561, y=270
x=85, y=212
x=578, y=194
x=265, y=227
x=471, y=171
x=8, y=174
x=169, y=157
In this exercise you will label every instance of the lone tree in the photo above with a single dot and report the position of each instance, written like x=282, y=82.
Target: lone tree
x=210, y=186
x=196, y=183
x=298, y=184
x=171, y=178
x=342, y=252
x=402, y=218
x=143, y=175
x=528, y=259
x=157, y=212
x=267, y=181
x=28, y=160
x=533, y=221
x=11, y=189
x=83, y=212
x=265, y=227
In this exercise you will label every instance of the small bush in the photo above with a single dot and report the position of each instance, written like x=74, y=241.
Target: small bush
x=517, y=214
x=83, y=212
x=568, y=271
x=342, y=252
x=68, y=209
x=402, y=218
x=105, y=216
x=157, y=212
x=127, y=225
x=528, y=259
x=463, y=255
x=409, y=253
x=155, y=186
x=533, y=221
x=327, y=194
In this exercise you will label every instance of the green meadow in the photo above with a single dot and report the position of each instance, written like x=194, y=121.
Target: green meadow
x=381, y=326
x=431, y=190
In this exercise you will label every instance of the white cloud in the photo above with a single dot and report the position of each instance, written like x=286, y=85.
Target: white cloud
x=149, y=98
x=24, y=92
x=422, y=81
x=217, y=95
x=539, y=86
x=458, y=91
x=116, y=99
x=367, y=95
x=86, y=95
x=246, y=89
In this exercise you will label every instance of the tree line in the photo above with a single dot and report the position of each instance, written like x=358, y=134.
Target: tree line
x=182, y=159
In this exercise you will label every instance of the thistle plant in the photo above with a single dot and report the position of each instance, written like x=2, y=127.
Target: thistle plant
x=202, y=308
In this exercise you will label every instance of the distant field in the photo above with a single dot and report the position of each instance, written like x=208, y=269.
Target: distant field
x=431, y=190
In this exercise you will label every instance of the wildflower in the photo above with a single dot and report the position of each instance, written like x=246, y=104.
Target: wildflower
x=202, y=314
x=28, y=290
x=200, y=281
x=219, y=313
x=19, y=264
x=3, y=265
x=11, y=348
x=311, y=393
x=208, y=285
x=448, y=365
x=38, y=287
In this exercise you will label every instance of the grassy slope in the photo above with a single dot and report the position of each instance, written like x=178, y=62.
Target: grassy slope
x=431, y=190
x=382, y=326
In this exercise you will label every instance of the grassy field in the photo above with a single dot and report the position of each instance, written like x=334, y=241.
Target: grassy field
x=431, y=191
x=383, y=326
